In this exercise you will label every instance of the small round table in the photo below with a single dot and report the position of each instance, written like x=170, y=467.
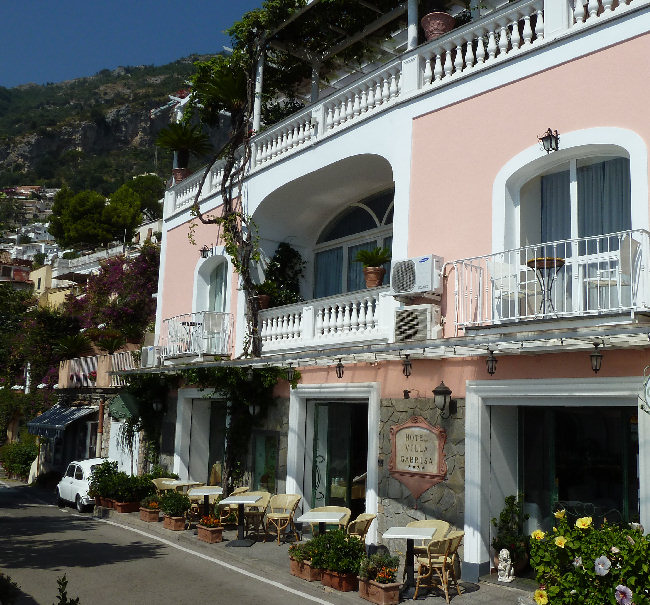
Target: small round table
x=546, y=268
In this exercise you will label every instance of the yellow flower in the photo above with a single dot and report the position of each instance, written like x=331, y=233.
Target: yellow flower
x=560, y=541
x=541, y=597
x=583, y=522
x=538, y=534
x=559, y=514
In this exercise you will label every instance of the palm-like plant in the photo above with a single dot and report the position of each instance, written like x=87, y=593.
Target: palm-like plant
x=184, y=140
x=74, y=345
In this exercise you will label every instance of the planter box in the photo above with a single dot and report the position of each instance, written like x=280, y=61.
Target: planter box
x=304, y=570
x=174, y=523
x=127, y=507
x=345, y=582
x=106, y=502
x=209, y=534
x=149, y=515
x=382, y=594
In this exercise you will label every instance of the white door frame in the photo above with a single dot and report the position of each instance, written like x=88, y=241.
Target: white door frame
x=481, y=395
x=298, y=456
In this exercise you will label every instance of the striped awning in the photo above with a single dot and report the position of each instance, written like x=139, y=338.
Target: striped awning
x=52, y=424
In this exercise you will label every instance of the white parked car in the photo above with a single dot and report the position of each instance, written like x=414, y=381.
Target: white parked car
x=74, y=485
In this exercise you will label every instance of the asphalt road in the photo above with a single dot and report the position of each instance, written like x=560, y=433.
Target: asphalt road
x=108, y=564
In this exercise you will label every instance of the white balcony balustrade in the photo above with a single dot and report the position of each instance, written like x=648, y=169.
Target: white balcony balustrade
x=599, y=275
x=196, y=334
x=355, y=317
x=121, y=361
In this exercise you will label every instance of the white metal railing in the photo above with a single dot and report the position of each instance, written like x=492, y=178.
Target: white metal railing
x=195, y=334
x=120, y=362
x=587, y=276
x=510, y=31
x=361, y=316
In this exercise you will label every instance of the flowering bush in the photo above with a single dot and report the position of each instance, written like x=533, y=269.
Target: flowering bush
x=579, y=564
x=151, y=502
x=380, y=567
x=210, y=521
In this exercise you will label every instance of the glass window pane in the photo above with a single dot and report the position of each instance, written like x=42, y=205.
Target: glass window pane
x=379, y=205
x=556, y=207
x=352, y=220
x=328, y=270
x=356, y=279
x=217, y=290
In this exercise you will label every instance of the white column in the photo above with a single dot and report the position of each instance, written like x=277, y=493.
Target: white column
x=556, y=17
x=412, y=32
x=257, y=106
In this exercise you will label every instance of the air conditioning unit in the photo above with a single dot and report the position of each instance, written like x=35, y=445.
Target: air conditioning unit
x=417, y=322
x=416, y=276
x=150, y=357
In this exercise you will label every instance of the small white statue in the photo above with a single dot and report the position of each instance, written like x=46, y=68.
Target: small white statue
x=505, y=571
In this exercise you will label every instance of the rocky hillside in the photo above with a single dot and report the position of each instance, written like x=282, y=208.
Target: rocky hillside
x=89, y=133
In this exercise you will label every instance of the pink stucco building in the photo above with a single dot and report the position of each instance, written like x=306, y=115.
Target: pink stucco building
x=536, y=260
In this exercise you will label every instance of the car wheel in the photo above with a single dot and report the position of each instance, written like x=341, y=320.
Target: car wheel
x=80, y=505
x=60, y=502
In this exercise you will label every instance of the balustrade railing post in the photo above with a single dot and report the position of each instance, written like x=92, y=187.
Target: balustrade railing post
x=558, y=17
x=307, y=331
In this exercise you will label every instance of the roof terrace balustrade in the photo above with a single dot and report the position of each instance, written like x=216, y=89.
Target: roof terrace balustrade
x=351, y=318
x=196, y=334
x=576, y=278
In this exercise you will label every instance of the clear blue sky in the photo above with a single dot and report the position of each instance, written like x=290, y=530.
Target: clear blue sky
x=51, y=41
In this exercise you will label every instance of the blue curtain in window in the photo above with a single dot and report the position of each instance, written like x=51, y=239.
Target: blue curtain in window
x=217, y=290
x=556, y=207
x=356, y=279
x=328, y=267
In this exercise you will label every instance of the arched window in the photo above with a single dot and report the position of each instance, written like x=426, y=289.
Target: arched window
x=211, y=285
x=362, y=225
x=217, y=288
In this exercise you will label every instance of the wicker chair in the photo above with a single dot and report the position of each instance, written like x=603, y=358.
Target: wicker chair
x=440, y=558
x=226, y=510
x=360, y=526
x=343, y=523
x=282, y=508
x=254, y=513
x=441, y=527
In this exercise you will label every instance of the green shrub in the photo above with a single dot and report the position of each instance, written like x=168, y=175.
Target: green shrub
x=380, y=567
x=510, y=529
x=158, y=472
x=336, y=551
x=17, y=457
x=174, y=504
x=578, y=564
x=102, y=479
x=151, y=501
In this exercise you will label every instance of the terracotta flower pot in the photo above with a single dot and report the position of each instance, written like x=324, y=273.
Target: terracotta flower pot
x=304, y=570
x=107, y=502
x=127, y=507
x=382, y=594
x=180, y=174
x=264, y=301
x=345, y=582
x=150, y=515
x=210, y=535
x=174, y=523
x=374, y=276
x=436, y=24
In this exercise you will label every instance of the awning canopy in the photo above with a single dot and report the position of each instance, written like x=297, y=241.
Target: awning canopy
x=123, y=406
x=52, y=423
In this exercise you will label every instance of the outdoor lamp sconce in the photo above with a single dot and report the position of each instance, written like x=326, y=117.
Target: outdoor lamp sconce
x=250, y=375
x=290, y=372
x=339, y=369
x=406, y=366
x=205, y=251
x=157, y=406
x=550, y=141
x=442, y=399
x=254, y=409
x=491, y=362
x=596, y=358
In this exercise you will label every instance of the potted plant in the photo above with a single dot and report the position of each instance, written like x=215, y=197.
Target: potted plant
x=150, y=509
x=266, y=292
x=183, y=140
x=300, y=562
x=509, y=532
x=338, y=556
x=102, y=483
x=372, y=261
x=174, y=506
x=210, y=529
x=437, y=21
x=377, y=579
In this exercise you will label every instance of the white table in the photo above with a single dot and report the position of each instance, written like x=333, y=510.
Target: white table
x=409, y=534
x=240, y=500
x=205, y=492
x=322, y=518
x=180, y=484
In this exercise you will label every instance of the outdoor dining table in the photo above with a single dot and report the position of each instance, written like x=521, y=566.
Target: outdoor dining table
x=179, y=484
x=322, y=518
x=240, y=500
x=206, y=491
x=410, y=534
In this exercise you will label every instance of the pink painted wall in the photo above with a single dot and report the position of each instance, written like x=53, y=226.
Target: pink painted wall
x=427, y=373
x=458, y=150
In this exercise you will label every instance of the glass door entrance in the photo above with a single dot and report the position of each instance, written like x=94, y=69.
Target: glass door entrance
x=340, y=455
x=582, y=459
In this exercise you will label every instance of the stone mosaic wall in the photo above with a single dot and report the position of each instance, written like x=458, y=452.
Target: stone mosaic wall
x=442, y=501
